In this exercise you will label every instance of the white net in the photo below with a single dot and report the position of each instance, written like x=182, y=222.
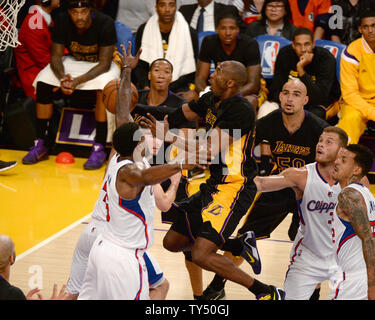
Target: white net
x=8, y=23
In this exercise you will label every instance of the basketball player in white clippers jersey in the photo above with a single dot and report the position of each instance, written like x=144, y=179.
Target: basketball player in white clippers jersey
x=353, y=228
x=116, y=267
x=158, y=284
x=312, y=259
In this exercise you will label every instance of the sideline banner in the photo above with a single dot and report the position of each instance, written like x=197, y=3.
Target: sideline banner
x=77, y=127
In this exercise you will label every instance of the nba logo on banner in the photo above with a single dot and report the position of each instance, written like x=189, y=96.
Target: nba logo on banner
x=270, y=51
x=334, y=50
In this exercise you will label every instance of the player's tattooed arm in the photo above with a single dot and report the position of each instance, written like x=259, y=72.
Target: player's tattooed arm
x=351, y=202
x=57, y=52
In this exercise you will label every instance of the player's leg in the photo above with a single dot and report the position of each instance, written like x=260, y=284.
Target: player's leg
x=305, y=272
x=159, y=285
x=267, y=211
x=222, y=212
x=81, y=256
x=215, y=290
x=205, y=255
x=176, y=242
x=195, y=275
x=181, y=235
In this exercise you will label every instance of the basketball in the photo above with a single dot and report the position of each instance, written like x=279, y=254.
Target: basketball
x=110, y=95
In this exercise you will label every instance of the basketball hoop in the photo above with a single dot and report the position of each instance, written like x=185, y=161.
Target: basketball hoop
x=8, y=23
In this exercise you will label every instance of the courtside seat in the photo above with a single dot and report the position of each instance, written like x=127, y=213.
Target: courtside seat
x=269, y=47
x=124, y=35
x=336, y=48
x=201, y=36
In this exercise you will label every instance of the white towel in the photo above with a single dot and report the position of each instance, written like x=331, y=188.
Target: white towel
x=76, y=68
x=180, y=48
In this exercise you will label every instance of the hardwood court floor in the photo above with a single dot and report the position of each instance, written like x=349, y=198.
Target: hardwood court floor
x=44, y=207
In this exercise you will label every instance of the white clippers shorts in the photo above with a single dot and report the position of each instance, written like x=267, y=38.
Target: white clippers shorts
x=114, y=273
x=81, y=255
x=350, y=286
x=306, y=270
x=81, y=258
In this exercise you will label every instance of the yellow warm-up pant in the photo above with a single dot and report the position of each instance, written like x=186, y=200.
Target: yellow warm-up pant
x=352, y=122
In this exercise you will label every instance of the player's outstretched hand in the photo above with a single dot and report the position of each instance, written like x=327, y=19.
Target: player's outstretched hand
x=35, y=294
x=158, y=129
x=126, y=58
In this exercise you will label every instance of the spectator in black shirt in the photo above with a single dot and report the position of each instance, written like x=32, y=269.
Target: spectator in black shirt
x=160, y=76
x=275, y=20
x=314, y=66
x=90, y=37
x=229, y=44
x=350, y=17
x=159, y=100
x=167, y=35
x=9, y=292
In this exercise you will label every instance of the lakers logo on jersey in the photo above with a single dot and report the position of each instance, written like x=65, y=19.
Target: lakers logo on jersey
x=216, y=210
x=210, y=118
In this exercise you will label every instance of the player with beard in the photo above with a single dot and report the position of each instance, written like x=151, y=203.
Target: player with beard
x=287, y=137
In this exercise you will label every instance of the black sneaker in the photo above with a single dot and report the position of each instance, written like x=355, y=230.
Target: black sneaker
x=274, y=294
x=250, y=252
x=212, y=294
x=7, y=165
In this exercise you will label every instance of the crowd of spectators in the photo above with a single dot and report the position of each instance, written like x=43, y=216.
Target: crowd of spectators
x=181, y=40
x=196, y=35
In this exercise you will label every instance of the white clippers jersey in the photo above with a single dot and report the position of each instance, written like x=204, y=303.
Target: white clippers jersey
x=316, y=209
x=100, y=207
x=346, y=241
x=130, y=222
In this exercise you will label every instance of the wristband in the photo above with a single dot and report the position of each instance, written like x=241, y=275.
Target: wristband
x=126, y=66
x=266, y=165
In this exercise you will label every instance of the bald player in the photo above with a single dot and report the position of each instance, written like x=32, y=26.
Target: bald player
x=205, y=221
x=9, y=292
x=287, y=138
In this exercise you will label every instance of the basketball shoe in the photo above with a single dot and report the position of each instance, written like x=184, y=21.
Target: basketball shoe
x=211, y=294
x=97, y=157
x=37, y=153
x=274, y=294
x=250, y=252
x=7, y=165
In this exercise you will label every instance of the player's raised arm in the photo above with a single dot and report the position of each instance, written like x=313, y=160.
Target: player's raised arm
x=124, y=96
x=351, y=202
x=294, y=178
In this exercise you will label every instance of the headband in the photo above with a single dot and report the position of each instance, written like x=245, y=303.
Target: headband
x=79, y=4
